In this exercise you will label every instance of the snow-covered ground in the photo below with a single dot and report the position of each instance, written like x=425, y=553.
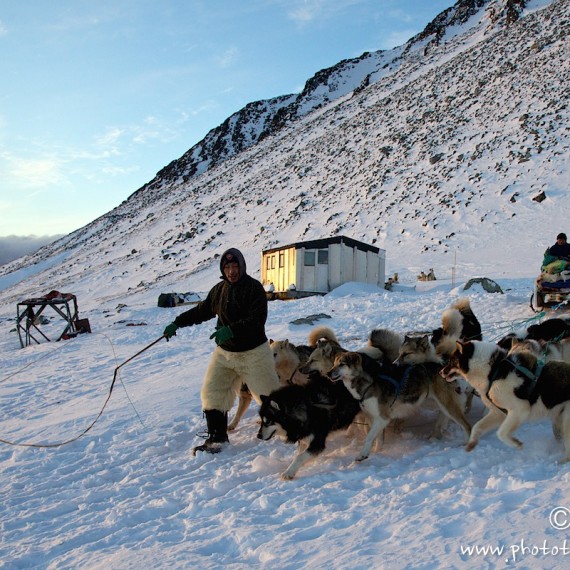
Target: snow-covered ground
x=130, y=494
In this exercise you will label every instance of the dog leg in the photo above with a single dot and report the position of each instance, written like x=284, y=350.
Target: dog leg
x=440, y=425
x=376, y=430
x=300, y=459
x=492, y=420
x=469, y=400
x=565, y=425
x=557, y=429
x=505, y=431
x=244, y=399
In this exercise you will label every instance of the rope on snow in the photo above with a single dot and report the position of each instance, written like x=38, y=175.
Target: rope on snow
x=88, y=428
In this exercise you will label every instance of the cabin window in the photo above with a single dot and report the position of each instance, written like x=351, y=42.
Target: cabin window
x=309, y=259
x=281, y=259
x=272, y=262
x=323, y=256
x=268, y=262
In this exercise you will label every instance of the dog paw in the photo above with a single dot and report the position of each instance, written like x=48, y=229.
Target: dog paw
x=232, y=427
x=471, y=445
x=287, y=476
x=361, y=458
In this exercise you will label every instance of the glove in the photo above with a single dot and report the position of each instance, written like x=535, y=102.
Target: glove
x=170, y=331
x=222, y=334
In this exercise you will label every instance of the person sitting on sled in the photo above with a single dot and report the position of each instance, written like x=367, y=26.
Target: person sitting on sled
x=557, y=256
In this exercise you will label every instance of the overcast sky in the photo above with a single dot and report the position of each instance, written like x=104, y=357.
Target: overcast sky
x=98, y=96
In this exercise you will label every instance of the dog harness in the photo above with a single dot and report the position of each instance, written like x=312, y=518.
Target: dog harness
x=397, y=385
x=532, y=376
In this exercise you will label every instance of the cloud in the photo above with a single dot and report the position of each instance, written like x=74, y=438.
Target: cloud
x=35, y=172
x=307, y=11
x=12, y=247
x=227, y=58
x=111, y=136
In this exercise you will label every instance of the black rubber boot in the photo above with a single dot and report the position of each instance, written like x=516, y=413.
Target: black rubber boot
x=217, y=423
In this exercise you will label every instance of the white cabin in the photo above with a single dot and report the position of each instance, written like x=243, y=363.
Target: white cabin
x=319, y=266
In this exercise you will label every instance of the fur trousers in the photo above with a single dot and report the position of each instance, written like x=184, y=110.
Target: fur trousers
x=228, y=370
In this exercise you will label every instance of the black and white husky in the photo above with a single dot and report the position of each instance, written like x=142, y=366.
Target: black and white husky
x=515, y=388
x=457, y=323
x=306, y=415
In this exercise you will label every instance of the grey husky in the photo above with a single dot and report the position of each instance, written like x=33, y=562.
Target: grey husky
x=386, y=391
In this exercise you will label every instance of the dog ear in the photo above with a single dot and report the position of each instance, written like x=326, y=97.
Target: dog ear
x=275, y=405
x=424, y=341
x=353, y=358
x=460, y=346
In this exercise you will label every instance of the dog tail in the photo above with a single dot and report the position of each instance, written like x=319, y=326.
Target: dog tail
x=452, y=323
x=471, y=328
x=322, y=333
x=462, y=305
x=389, y=342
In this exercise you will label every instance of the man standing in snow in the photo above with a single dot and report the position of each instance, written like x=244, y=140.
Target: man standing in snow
x=242, y=354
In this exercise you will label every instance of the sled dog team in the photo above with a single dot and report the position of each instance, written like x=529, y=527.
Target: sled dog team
x=324, y=387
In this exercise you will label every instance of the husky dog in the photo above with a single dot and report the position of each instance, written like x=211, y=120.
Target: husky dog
x=306, y=415
x=244, y=400
x=420, y=349
x=457, y=323
x=515, y=389
x=551, y=329
x=548, y=339
x=543, y=350
x=383, y=344
x=386, y=391
x=416, y=350
x=288, y=359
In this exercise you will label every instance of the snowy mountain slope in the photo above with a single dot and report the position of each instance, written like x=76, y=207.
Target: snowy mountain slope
x=263, y=118
x=431, y=163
